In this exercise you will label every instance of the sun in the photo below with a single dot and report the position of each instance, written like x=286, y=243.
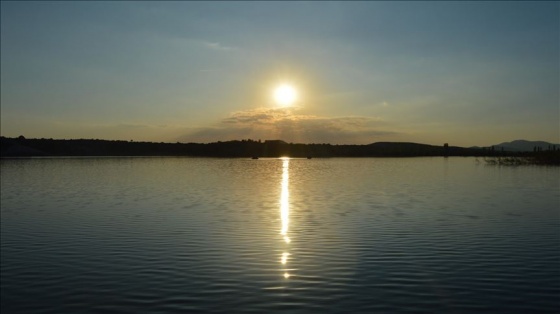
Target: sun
x=285, y=95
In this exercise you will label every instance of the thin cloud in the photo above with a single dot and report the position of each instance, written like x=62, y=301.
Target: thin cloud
x=286, y=124
x=217, y=46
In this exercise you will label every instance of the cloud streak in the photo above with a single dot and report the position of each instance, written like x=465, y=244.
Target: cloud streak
x=286, y=124
x=218, y=46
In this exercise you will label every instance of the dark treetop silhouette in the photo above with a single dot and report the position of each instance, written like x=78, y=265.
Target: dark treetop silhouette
x=22, y=147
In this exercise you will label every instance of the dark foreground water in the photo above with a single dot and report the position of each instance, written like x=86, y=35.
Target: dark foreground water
x=170, y=235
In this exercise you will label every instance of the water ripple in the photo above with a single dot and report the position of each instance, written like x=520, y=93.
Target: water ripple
x=167, y=235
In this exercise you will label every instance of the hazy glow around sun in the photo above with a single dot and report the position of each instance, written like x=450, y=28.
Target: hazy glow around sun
x=285, y=95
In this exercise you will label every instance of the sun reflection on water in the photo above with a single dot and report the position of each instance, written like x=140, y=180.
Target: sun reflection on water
x=285, y=199
x=285, y=211
x=284, y=258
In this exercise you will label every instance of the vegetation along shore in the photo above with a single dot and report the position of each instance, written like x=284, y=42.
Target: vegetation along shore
x=22, y=147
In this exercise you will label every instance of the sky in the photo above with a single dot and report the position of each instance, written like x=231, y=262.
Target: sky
x=463, y=73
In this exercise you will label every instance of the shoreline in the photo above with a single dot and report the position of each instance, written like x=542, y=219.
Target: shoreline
x=44, y=148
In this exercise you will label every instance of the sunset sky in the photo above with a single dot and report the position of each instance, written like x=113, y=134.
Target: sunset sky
x=466, y=73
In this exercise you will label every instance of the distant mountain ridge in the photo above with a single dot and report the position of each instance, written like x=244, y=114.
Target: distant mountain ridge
x=22, y=147
x=525, y=146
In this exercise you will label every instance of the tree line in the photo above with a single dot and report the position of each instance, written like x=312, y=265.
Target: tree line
x=20, y=147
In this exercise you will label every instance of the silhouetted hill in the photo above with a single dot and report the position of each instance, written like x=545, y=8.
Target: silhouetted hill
x=526, y=146
x=21, y=147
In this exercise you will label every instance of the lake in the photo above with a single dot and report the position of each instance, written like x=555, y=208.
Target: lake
x=364, y=235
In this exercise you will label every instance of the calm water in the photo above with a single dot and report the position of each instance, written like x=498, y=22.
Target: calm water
x=164, y=235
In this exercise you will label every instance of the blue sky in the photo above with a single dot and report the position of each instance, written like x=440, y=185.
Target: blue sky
x=467, y=73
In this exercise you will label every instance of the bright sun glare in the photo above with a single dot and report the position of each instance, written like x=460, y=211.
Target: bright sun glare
x=285, y=95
